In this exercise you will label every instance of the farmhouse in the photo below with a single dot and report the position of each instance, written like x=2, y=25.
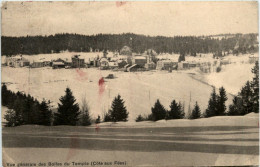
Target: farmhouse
x=77, y=62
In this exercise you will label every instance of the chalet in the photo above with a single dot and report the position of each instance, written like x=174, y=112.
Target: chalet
x=77, y=62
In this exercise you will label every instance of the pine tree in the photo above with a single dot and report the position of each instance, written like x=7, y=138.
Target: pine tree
x=118, y=111
x=236, y=108
x=158, y=111
x=68, y=110
x=247, y=97
x=175, y=111
x=222, y=98
x=195, y=112
x=212, y=105
x=45, y=114
x=5, y=97
x=255, y=88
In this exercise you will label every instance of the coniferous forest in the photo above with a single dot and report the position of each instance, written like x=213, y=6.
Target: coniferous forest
x=237, y=43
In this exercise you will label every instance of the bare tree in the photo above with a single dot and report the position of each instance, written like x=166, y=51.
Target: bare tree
x=85, y=118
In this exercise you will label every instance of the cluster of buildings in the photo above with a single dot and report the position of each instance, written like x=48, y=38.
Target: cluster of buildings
x=75, y=62
x=123, y=60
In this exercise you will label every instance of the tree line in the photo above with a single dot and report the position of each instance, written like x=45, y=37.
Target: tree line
x=57, y=43
x=24, y=109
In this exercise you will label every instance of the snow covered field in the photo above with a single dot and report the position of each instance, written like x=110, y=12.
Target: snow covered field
x=139, y=90
x=216, y=141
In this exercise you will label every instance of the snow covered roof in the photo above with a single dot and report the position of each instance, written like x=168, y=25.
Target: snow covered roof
x=103, y=59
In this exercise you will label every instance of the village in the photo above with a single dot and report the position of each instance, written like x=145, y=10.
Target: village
x=126, y=60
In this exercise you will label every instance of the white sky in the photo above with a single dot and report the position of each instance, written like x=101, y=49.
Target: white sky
x=149, y=18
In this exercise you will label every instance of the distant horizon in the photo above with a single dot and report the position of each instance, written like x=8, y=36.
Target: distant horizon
x=166, y=19
x=63, y=33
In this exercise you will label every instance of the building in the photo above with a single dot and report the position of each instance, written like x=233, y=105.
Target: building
x=164, y=65
x=183, y=65
x=37, y=64
x=104, y=63
x=151, y=55
x=77, y=62
x=150, y=66
x=112, y=64
x=253, y=59
x=47, y=63
x=17, y=62
x=139, y=60
x=58, y=64
x=192, y=65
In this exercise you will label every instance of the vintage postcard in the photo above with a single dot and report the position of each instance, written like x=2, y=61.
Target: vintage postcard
x=122, y=84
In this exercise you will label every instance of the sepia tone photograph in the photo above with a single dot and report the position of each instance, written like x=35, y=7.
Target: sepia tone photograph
x=129, y=84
